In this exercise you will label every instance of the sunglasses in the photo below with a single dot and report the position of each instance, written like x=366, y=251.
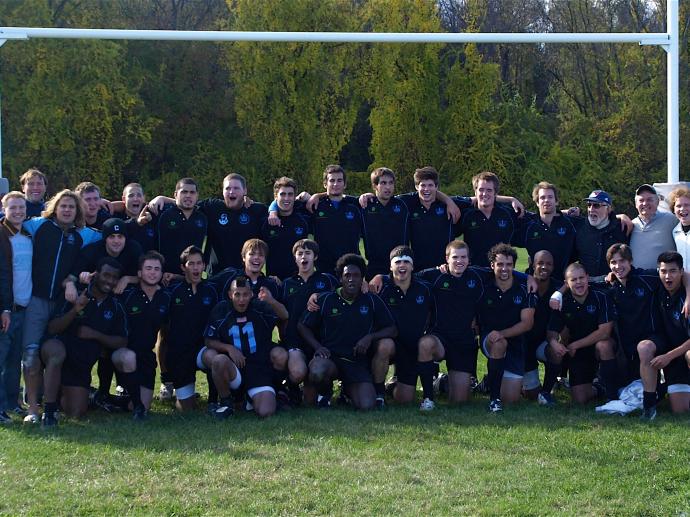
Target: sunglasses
x=595, y=205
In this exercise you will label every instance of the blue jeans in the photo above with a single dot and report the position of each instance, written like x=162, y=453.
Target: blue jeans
x=10, y=362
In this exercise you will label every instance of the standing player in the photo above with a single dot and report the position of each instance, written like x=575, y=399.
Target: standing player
x=505, y=314
x=667, y=348
x=347, y=324
x=293, y=226
x=239, y=349
x=580, y=338
x=296, y=292
x=679, y=201
x=134, y=203
x=146, y=305
x=34, y=185
x=652, y=232
x=94, y=213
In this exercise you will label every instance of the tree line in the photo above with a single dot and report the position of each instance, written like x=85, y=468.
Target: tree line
x=582, y=116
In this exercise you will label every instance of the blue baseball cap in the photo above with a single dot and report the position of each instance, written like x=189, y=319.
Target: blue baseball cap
x=599, y=196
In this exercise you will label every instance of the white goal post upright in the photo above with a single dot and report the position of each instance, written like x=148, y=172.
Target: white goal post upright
x=668, y=41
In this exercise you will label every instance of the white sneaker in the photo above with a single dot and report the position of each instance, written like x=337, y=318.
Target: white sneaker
x=427, y=405
x=166, y=391
x=32, y=418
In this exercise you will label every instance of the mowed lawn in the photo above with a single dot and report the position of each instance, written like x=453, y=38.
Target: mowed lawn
x=455, y=461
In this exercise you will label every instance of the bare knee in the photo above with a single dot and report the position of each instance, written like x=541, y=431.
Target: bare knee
x=646, y=350
x=385, y=349
x=53, y=353
x=604, y=349
x=125, y=360
x=220, y=363
x=279, y=358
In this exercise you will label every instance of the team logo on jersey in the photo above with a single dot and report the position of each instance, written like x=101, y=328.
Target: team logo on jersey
x=535, y=235
x=163, y=309
x=471, y=284
x=373, y=209
x=517, y=300
x=135, y=309
x=149, y=232
x=223, y=219
x=244, y=218
x=561, y=231
x=291, y=290
x=489, y=301
x=473, y=224
x=334, y=311
x=591, y=309
x=639, y=292
x=446, y=285
x=396, y=209
x=321, y=213
x=199, y=223
x=299, y=231
x=206, y=300
x=439, y=210
x=419, y=299
x=415, y=215
x=320, y=285
x=502, y=223
x=391, y=301
x=70, y=239
x=272, y=233
x=676, y=315
x=172, y=224
x=364, y=309
x=349, y=215
x=108, y=315
x=178, y=301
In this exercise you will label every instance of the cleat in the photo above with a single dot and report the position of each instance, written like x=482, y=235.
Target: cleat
x=283, y=401
x=211, y=408
x=648, y=414
x=248, y=406
x=18, y=410
x=380, y=403
x=496, y=406
x=223, y=412
x=427, y=405
x=140, y=414
x=49, y=420
x=323, y=402
x=165, y=393
x=482, y=386
x=546, y=399
x=121, y=391
x=101, y=401
x=32, y=418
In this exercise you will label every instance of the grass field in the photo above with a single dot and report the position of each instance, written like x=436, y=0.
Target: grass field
x=455, y=461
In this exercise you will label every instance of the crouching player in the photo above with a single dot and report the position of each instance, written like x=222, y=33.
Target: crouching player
x=296, y=292
x=239, y=347
x=349, y=325
x=579, y=337
x=667, y=348
x=95, y=320
x=410, y=302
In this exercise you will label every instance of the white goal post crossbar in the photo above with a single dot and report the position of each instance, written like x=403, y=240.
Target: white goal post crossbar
x=668, y=41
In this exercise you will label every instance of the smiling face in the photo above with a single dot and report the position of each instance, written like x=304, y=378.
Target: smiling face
x=15, y=211
x=457, y=259
x=503, y=266
x=304, y=258
x=682, y=210
x=253, y=260
x=133, y=198
x=66, y=211
x=285, y=197
x=106, y=279
x=233, y=193
x=646, y=204
x=114, y=244
x=620, y=266
x=151, y=272
x=546, y=201
x=543, y=265
x=401, y=269
x=427, y=191
x=485, y=193
x=34, y=189
x=335, y=184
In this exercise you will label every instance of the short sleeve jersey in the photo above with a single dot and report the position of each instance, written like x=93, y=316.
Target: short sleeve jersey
x=385, y=227
x=250, y=331
x=339, y=324
x=411, y=310
x=296, y=293
x=669, y=316
x=145, y=316
x=175, y=232
x=499, y=310
x=223, y=280
x=107, y=317
x=229, y=229
x=581, y=319
x=542, y=313
x=481, y=233
x=558, y=238
x=455, y=302
x=430, y=230
x=280, y=239
x=337, y=228
x=189, y=313
x=145, y=235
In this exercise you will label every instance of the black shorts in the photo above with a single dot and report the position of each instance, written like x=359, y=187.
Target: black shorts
x=676, y=372
x=582, y=367
x=406, y=362
x=459, y=356
x=80, y=357
x=181, y=364
x=353, y=371
x=256, y=374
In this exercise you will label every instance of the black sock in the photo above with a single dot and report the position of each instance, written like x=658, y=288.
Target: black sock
x=226, y=401
x=131, y=384
x=551, y=372
x=105, y=371
x=426, y=371
x=648, y=399
x=326, y=390
x=212, y=391
x=495, y=374
x=165, y=378
x=279, y=379
x=51, y=407
x=609, y=378
x=380, y=389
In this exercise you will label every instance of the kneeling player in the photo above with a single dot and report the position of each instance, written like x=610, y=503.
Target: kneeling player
x=240, y=350
x=579, y=335
x=95, y=320
x=668, y=349
x=347, y=324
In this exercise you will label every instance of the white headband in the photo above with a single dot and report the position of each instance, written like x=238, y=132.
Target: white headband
x=402, y=258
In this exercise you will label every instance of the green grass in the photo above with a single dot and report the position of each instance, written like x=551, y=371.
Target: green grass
x=528, y=460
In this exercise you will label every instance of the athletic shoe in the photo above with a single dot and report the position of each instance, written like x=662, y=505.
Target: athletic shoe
x=323, y=402
x=343, y=400
x=441, y=383
x=390, y=386
x=223, y=412
x=120, y=391
x=496, y=406
x=100, y=401
x=283, y=401
x=248, y=406
x=18, y=410
x=140, y=414
x=380, y=403
x=5, y=418
x=49, y=419
x=564, y=383
x=546, y=399
x=599, y=388
x=165, y=393
x=211, y=408
x=648, y=414
x=32, y=418
x=482, y=387
x=427, y=405
x=473, y=382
